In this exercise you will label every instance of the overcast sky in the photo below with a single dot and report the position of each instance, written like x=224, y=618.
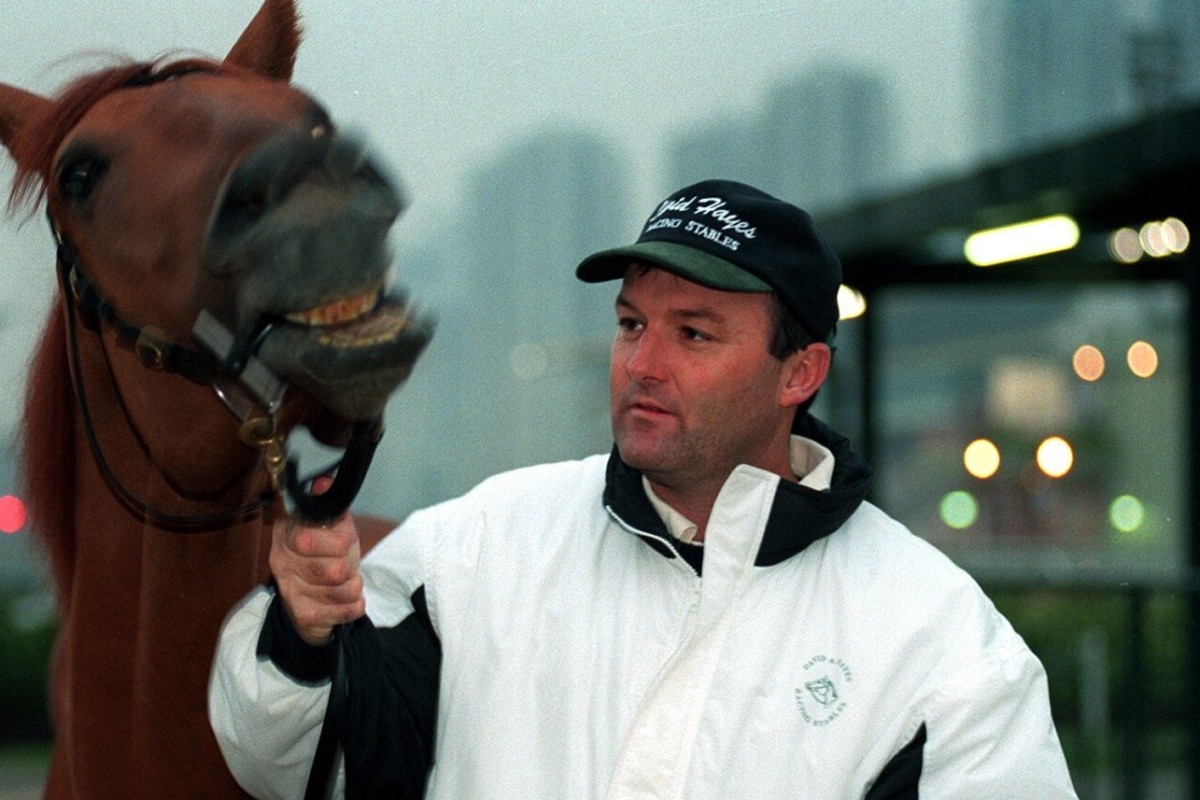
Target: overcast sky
x=441, y=87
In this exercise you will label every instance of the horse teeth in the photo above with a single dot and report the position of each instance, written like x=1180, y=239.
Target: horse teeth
x=380, y=329
x=337, y=312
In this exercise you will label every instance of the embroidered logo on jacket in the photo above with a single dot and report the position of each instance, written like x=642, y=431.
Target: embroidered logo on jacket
x=821, y=698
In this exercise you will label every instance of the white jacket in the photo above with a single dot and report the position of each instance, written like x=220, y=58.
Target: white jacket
x=846, y=660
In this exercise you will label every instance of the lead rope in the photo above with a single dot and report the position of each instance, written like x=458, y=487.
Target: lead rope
x=324, y=764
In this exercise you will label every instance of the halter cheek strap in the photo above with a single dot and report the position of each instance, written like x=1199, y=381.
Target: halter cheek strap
x=152, y=347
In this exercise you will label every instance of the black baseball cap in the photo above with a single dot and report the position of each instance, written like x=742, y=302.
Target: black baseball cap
x=727, y=235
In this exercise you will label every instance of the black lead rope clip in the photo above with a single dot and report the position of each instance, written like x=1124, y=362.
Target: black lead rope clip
x=351, y=471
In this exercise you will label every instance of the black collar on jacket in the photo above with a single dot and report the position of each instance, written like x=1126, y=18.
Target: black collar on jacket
x=799, y=515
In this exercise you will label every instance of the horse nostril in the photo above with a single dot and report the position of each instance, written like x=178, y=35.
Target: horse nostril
x=241, y=207
x=255, y=204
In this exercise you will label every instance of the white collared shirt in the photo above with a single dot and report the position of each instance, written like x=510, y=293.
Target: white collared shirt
x=812, y=464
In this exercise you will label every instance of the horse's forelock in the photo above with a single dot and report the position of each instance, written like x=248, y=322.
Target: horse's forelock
x=39, y=140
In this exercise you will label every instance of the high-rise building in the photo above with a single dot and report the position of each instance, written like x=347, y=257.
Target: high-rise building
x=821, y=139
x=531, y=340
x=517, y=371
x=1049, y=70
x=1176, y=39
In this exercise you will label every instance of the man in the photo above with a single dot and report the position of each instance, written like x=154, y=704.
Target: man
x=712, y=611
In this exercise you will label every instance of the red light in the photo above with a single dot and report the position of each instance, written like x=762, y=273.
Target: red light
x=12, y=514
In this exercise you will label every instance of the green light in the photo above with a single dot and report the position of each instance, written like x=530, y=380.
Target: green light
x=959, y=510
x=1126, y=513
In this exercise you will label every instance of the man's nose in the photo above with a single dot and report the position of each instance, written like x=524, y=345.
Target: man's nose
x=645, y=358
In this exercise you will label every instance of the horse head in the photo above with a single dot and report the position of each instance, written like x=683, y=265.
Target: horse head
x=194, y=200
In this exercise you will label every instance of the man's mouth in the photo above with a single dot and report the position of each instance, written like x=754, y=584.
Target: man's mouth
x=647, y=408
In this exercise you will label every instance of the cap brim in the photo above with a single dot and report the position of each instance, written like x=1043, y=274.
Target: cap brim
x=695, y=265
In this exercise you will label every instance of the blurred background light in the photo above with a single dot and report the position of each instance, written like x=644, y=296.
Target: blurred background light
x=959, y=510
x=981, y=458
x=1088, y=362
x=1055, y=456
x=1151, y=237
x=1175, y=235
x=1023, y=240
x=851, y=303
x=1126, y=513
x=529, y=360
x=1125, y=246
x=12, y=514
x=1158, y=239
x=1142, y=359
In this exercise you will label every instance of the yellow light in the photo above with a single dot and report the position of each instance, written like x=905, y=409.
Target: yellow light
x=1153, y=241
x=851, y=303
x=982, y=458
x=1142, y=359
x=1055, y=457
x=1175, y=235
x=1125, y=246
x=1088, y=362
x=1023, y=240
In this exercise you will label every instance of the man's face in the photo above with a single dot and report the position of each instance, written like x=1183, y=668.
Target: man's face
x=694, y=389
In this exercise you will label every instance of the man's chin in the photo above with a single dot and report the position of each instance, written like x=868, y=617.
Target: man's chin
x=645, y=459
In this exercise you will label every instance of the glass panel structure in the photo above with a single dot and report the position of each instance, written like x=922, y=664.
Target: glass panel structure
x=1037, y=433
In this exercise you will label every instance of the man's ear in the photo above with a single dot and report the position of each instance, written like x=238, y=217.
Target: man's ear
x=803, y=373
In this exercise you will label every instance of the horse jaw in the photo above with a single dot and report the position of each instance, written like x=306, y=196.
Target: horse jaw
x=269, y=43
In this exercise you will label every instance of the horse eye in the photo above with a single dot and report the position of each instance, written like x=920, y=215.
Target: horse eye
x=79, y=176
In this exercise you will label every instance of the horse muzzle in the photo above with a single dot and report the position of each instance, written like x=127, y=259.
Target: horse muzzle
x=301, y=229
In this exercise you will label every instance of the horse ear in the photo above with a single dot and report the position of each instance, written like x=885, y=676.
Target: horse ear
x=17, y=108
x=269, y=43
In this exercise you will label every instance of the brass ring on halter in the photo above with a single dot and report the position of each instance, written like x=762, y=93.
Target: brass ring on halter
x=257, y=431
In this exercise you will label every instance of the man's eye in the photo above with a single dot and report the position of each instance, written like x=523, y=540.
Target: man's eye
x=695, y=335
x=628, y=324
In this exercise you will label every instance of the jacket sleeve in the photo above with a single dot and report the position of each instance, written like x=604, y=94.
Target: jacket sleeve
x=269, y=691
x=266, y=722
x=989, y=731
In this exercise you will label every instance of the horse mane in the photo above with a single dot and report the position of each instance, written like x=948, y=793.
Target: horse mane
x=48, y=448
x=39, y=140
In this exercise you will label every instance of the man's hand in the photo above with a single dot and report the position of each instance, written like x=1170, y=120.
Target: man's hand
x=316, y=570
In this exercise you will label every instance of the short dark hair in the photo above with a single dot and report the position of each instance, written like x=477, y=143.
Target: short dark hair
x=787, y=334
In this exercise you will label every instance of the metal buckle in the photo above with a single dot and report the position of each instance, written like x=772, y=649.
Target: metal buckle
x=151, y=347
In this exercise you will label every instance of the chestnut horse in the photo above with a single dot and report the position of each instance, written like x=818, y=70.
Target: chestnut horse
x=221, y=255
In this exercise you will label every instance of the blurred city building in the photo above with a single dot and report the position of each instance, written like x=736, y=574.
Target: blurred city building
x=517, y=373
x=824, y=138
